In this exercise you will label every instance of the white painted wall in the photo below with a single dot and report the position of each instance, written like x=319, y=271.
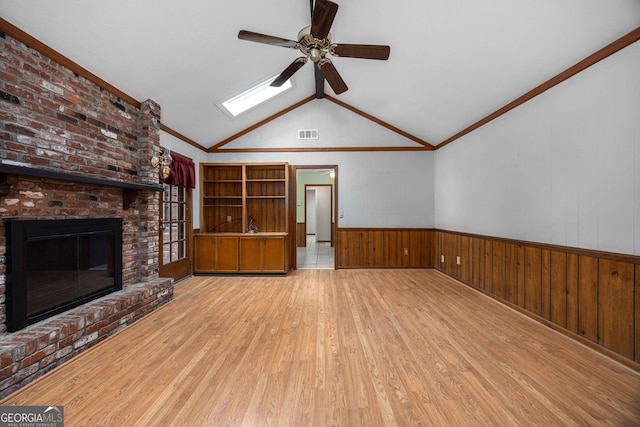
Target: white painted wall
x=563, y=168
x=336, y=126
x=375, y=189
x=386, y=189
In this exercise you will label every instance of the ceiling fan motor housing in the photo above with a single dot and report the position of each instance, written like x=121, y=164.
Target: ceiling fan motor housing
x=314, y=48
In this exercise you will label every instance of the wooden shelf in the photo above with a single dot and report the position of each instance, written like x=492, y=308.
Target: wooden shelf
x=222, y=197
x=266, y=197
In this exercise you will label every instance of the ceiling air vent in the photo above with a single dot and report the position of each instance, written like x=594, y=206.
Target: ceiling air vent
x=307, y=133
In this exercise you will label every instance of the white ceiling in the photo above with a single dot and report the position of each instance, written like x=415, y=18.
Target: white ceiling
x=452, y=62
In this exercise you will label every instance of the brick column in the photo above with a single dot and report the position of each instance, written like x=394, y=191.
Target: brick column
x=148, y=205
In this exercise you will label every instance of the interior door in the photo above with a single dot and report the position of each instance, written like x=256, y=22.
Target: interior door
x=175, y=235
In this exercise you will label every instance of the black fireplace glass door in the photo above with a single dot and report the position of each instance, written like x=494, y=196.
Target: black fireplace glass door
x=66, y=268
x=56, y=265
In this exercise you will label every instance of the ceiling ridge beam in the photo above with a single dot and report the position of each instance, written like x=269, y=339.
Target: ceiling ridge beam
x=598, y=56
x=380, y=122
x=251, y=128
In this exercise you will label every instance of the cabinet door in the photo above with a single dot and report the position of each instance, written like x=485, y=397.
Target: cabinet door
x=273, y=254
x=227, y=254
x=251, y=254
x=204, y=254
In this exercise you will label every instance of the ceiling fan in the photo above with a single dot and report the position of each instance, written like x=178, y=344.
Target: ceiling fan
x=315, y=43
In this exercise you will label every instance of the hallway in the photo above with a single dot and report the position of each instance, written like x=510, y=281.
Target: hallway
x=316, y=256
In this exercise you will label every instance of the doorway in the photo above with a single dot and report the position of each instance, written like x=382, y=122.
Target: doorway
x=316, y=207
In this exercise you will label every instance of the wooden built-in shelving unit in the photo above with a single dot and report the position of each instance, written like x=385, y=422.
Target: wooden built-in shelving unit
x=234, y=197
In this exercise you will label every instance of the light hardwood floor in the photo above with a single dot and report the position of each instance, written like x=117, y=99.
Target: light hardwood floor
x=344, y=348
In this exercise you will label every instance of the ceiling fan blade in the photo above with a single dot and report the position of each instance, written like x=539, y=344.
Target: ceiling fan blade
x=289, y=71
x=263, y=38
x=323, y=15
x=331, y=74
x=365, y=51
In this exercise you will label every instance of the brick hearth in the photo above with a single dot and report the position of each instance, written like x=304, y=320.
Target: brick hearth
x=30, y=353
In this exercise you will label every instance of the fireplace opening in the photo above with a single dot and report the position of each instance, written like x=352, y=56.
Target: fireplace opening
x=56, y=265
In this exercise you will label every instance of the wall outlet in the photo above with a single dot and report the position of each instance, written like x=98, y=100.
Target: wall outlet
x=229, y=218
x=406, y=251
x=341, y=214
x=458, y=260
x=441, y=258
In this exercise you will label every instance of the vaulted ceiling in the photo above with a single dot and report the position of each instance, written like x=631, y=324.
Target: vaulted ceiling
x=452, y=63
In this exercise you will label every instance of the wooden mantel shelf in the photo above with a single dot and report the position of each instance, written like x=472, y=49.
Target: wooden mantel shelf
x=129, y=189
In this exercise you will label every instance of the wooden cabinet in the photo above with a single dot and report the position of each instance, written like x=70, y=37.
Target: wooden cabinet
x=215, y=254
x=234, y=198
x=262, y=254
x=240, y=252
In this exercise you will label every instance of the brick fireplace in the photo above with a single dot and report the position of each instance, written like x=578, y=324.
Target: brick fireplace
x=72, y=149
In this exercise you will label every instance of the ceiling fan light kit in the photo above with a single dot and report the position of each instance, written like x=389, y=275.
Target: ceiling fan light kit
x=315, y=42
x=314, y=48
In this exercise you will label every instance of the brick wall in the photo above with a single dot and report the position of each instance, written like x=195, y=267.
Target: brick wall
x=54, y=119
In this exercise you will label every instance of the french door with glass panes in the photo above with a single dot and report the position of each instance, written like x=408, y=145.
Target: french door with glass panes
x=175, y=227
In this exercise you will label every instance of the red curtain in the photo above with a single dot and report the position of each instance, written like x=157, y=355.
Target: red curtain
x=183, y=172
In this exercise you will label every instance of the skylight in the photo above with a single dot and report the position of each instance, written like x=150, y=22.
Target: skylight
x=253, y=97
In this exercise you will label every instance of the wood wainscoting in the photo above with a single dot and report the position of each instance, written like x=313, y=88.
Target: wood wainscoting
x=385, y=248
x=593, y=296
x=301, y=234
